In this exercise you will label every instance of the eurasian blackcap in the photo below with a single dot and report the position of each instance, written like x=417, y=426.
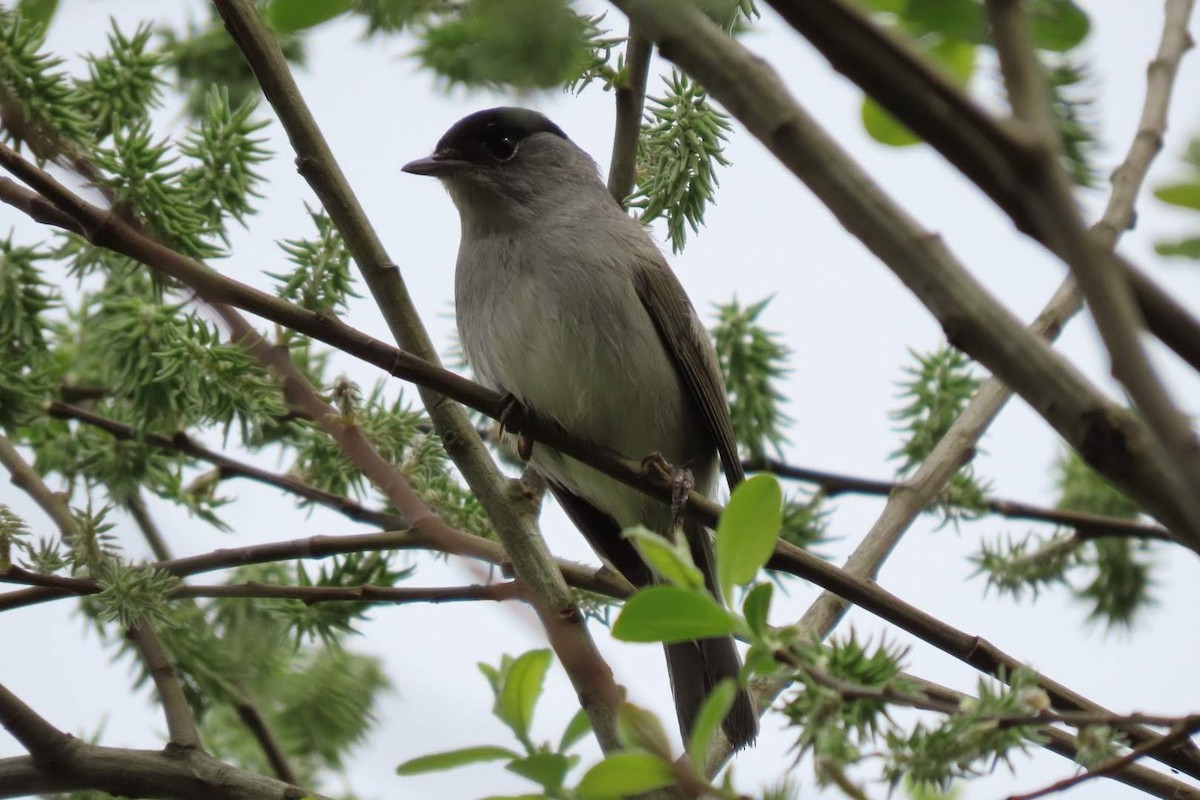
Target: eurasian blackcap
x=564, y=302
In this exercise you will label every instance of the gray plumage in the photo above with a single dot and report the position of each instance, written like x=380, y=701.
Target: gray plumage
x=564, y=302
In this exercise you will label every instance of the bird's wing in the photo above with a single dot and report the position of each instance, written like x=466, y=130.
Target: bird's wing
x=690, y=350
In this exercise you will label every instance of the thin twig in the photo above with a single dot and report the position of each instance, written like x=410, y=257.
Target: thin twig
x=630, y=96
x=1182, y=731
x=1086, y=526
x=310, y=595
x=1064, y=744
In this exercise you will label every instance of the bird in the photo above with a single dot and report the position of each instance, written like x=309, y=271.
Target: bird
x=566, y=305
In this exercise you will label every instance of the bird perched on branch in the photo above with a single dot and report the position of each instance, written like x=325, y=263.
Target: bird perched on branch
x=565, y=303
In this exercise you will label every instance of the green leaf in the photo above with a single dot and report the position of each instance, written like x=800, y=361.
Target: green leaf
x=956, y=57
x=951, y=19
x=549, y=770
x=884, y=128
x=624, y=774
x=747, y=531
x=670, y=560
x=709, y=718
x=522, y=688
x=454, y=758
x=670, y=614
x=756, y=606
x=39, y=12
x=1057, y=25
x=289, y=16
x=1186, y=195
x=577, y=728
x=1187, y=248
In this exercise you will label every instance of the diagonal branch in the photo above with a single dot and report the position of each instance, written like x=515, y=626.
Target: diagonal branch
x=992, y=155
x=1180, y=732
x=1107, y=291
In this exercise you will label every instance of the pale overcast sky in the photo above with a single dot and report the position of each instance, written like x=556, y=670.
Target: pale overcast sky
x=847, y=320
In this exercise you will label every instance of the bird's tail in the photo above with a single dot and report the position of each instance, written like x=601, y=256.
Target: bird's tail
x=696, y=667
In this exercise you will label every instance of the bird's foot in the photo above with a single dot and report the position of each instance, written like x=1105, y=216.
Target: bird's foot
x=680, y=479
x=512, y=410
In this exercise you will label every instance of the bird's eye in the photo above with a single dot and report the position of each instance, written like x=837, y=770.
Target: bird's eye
x=502, y=148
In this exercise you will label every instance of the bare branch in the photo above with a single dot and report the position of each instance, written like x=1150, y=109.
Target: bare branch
x=630, y=97
x=990, y=154
x=1086, y=526
x=1182, y=731
x=1107, y=291
x=310, y=595
x=169, y=774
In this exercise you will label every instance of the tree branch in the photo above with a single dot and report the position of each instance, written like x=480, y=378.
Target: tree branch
x=1107, y=291
x=169, y=775
x=309, y=595
x=1086, y=526
x=630, y=97
x=914, y=91
x=1182, y=731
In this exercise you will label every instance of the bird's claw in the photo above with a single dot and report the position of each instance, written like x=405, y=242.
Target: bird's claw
x=680, y=480
x=511, y=409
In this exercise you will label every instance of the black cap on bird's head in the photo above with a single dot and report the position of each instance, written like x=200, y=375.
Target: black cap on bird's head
x=485, y=138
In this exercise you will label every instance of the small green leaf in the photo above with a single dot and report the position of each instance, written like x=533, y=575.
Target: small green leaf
x=454, y=758
x=669, y=560
x=522, y=688
x=950, y=19
x=670, y=614
x=1186, y=248
x=39, y=12
x=747, y=531
x=1057, y=25
x=289, y=16
x=624, y=774
x=884, y=128
x=577, y=728
x=549, y=770
x=1185, y=195
x=756, y=607
x=708, y=719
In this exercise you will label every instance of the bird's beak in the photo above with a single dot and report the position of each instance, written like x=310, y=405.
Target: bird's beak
x=438, y=165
